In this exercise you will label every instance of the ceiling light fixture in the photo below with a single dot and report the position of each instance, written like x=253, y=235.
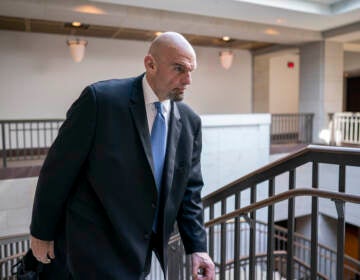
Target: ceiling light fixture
x=226, y=38
x=158, y=33
x=77, y=49
x=89, y=9
x=271, y=31
x=226, y=59
x=76, y=24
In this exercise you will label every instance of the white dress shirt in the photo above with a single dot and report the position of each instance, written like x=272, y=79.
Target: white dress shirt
x=150, y=98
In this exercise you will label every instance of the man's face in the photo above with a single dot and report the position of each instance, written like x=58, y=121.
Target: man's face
x=172, y=74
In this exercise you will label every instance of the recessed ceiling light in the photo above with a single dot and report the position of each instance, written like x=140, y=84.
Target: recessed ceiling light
x=158, y=33
x=88, y=9
x=226, y=38
x=271, y=31
x=76, y=23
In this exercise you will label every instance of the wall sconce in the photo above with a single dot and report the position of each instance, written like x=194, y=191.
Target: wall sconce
x=226, y=59
x=77, y=49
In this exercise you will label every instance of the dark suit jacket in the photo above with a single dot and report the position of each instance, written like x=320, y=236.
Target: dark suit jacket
x=97, y=183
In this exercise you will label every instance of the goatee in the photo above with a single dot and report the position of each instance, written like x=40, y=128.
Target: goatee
x=176, y=96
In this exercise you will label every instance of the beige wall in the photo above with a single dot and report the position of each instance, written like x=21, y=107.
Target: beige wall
x=39, y=79
x=284, y=85
x=261, y=84
x=276, y=87
x=351, y=61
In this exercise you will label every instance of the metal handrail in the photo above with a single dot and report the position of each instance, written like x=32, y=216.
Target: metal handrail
x=30, y=120
x=281, y=197
x=326, y=154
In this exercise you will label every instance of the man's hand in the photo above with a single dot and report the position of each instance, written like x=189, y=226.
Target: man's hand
x=203, y=262
x=42, y=250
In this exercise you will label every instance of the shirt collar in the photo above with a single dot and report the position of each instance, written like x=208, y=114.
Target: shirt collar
x=150, y=97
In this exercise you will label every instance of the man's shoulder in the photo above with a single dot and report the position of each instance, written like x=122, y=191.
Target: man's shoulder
x=185, y=109
x=115, y=89
x=187, y=112
x=114, y=84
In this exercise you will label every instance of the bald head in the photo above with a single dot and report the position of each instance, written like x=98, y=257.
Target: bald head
x=170, y=41
x=169, y=63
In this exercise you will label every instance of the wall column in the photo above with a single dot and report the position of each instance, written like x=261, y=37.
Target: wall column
x=321, y=82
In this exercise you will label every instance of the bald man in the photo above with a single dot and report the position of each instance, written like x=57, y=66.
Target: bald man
x=124, y=167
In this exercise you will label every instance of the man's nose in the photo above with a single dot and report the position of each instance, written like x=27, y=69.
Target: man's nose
x=187, y=78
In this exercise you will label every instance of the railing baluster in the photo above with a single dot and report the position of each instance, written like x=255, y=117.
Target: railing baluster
x=9, y=141
x=17, y=149
x=211, y=232
x=223, y=242
x=314, y=222
x=237, y=239
x=291, y=228
x=24, y=139
x=252, y=225
x=188, y=272
x=38, y=139
x=3, y=139
x=31, y=141
x=270, y=235
x=340, y=205
x=45, y=138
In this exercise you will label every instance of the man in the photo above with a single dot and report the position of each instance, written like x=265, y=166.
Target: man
x=124, y=167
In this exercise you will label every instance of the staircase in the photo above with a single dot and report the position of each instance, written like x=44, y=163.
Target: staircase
x=243, y=239
x=242, y=247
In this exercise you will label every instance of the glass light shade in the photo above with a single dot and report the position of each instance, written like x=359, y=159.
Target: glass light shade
x=77, y=49
x=226, y=59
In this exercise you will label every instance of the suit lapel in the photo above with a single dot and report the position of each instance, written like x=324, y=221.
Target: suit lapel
x=172, y=142
x=137, y=109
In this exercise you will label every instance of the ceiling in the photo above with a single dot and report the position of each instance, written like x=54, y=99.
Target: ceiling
x=251, y=24
x=316, y=15
x=91, y=30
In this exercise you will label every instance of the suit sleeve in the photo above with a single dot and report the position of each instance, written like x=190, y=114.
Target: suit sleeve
x=62, y=165
x=190, y=216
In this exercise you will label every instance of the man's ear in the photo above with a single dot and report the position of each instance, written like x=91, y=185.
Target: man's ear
x=149, y=63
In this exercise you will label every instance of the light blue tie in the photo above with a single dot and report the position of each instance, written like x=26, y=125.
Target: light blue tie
x=158, y=145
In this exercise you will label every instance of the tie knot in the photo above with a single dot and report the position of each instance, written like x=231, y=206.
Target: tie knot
x=158, y=107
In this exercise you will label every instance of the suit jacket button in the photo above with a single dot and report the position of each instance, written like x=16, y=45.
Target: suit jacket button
x=146, y=236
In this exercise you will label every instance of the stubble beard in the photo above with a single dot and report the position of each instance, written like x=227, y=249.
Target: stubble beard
x=176, y=96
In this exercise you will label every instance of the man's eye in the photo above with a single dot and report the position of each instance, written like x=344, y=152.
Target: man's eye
x=179, y=69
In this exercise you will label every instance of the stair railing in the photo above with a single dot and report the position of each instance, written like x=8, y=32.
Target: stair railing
x=232, y=196
x=26, y=139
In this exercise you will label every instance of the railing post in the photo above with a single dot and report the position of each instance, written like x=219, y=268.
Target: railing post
x=211, y=232
x=3, y=144
x=340, y=208
x=252, y=261
x=340, y=205
x=311, y=128
x=237, y=240
x=332, y=129
x=314, y=223
x=291, y=229
x=223, y=242
x=270, y=236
